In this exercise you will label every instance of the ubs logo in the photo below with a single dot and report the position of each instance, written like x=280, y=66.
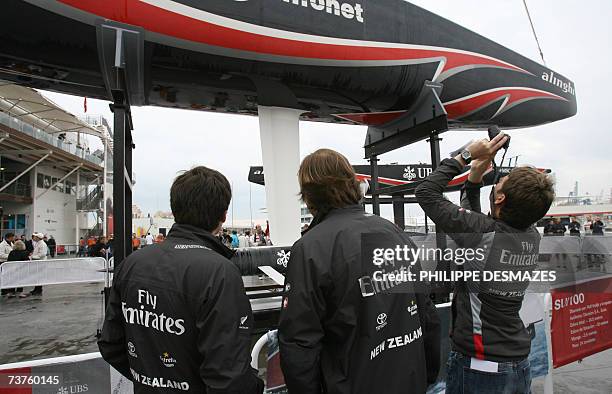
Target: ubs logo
x=409, y=173
x=381, y=321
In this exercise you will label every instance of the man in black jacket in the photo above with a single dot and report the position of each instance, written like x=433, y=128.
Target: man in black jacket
x=490, y=343
x=334, y=335
x=178, y=318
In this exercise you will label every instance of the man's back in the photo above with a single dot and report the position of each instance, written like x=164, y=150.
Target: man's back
x=181, y=309
x=324, y=307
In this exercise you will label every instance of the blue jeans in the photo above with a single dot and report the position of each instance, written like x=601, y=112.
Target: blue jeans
x=511, y=377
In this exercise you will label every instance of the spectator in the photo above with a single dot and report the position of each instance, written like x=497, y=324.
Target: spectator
x=259, y=239
x=198, y=322
x=6, y=246
x=549, y=228
x=135, y=242
x=99, y=249
x=226, y=239
x=19, y=253
x=245, y=240
x=328, y=329
x=558, y=228
x=149, y=239
x=574, y=227
x=587, y=226
x=39, y=253
x=110, y=246
x=598, y=226
x=235, y=240
x=486, y=327
x=52, y=246
x=81, y=252
x=28, y=243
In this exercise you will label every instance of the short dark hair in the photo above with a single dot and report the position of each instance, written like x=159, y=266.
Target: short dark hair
x=200, y=197
x=8, y=235
x=327, y=180
x=529, y=195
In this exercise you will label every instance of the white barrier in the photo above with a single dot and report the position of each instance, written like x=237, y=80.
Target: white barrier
x=52, y=272
x=70, y=374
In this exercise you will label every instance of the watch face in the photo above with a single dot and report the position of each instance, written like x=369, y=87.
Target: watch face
x=466, y=155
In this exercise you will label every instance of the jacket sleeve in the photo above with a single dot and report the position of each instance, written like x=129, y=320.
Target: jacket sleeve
x=5, y=250
x=112, y=343
x=460, y=223
x=224, y=322
x=430, y=321
x=470, y=196
x=300, y=328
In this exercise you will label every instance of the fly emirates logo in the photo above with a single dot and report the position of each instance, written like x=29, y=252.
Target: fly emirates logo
x=142, y=315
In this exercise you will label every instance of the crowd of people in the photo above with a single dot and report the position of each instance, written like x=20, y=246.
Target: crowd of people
x=592, y=226
x=246, y=239
x=96, y=247
x=22, y=249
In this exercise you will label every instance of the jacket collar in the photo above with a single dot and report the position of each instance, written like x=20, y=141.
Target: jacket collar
x=325, y=214
x=201, y=236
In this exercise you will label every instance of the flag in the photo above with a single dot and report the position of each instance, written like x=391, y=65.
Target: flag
x=85, y=105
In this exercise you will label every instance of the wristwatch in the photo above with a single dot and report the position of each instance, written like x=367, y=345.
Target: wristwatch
x=466, y=156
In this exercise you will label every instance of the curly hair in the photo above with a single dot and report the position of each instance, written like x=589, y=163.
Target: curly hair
x=529, y=194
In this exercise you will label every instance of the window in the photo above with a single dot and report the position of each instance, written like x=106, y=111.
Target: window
x=68, y=188
x=40, y=181
x=47, y=181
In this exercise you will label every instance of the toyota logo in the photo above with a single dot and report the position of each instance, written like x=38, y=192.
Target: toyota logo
x=382, y=318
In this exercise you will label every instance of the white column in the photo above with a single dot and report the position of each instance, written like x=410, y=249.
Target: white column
x=280, y=147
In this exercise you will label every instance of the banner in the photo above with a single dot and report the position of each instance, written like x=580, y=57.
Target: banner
x=86, y=373
x=581, y=318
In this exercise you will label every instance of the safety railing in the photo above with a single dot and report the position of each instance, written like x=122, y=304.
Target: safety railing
x=51, y=139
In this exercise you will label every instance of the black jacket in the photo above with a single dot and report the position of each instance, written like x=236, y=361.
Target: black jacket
x=178, y=317
x=19, y=255
x=574, y=228
x=333, y=339
x=598, y=227
x=96, y=250
x=485, y=315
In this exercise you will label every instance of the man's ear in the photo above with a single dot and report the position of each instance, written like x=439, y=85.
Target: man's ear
x=223, y=218
x=500, y=198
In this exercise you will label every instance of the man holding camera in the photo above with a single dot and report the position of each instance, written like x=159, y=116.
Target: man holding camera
x=490, y=344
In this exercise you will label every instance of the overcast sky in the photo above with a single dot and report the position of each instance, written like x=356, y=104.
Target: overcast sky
x=575, y=38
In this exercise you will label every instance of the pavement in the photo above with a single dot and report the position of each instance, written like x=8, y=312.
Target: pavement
x=65, y=319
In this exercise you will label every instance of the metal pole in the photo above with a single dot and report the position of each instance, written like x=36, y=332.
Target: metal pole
x=104, y=188
x=374, y=185
x=78, y=185
x=119, y=183
x=251, y=205
x=129, y=144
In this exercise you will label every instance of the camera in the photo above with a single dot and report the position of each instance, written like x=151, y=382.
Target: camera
x=494, y=132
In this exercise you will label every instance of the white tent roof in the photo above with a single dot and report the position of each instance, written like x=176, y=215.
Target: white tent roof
x=32, y=107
